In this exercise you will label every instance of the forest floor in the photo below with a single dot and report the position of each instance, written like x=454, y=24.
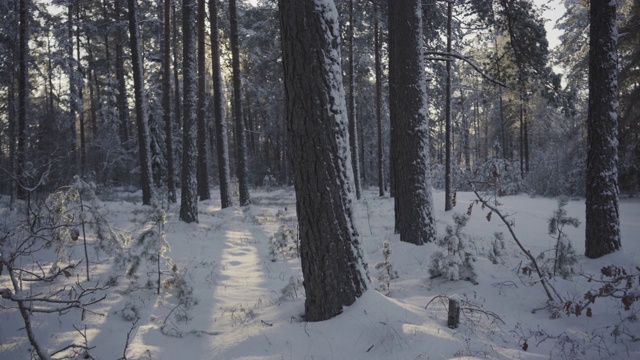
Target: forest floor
x=234, y=295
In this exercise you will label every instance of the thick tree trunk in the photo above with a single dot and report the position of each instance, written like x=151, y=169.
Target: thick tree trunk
x=218, y=110
x=203, y=157
x=332, y=265
x=146, y=180
x=602, y=217
x=166, y=100
x=410, y=133
x=241, y=142
x=189, y=196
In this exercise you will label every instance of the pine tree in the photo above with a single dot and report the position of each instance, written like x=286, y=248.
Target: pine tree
x=602, y=217
x=146, y=181
x=332, y=264
x=218, y=110
x=166, y=99
x=410, y=129
x=203, y=156
x=189, y=196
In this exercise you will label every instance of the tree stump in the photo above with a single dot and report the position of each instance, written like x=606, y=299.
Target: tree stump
x=454, y=312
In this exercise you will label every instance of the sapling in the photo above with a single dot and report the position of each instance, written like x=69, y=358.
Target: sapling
x=457, y=262
x=565, y=254
x=385, y=268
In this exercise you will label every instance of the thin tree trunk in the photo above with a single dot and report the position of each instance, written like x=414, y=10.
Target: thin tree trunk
x=448, y=177
x=166, y=100
x=121, y=96
x=146, y=181
x=218, y=110
x=189, y=196
x=241, y=146
x=23, y=95
x=203, y=157
x=353, y=126
x=378, y=71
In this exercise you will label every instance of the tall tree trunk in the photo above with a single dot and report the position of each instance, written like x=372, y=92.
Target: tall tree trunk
x=332, y=265
x=353, y=126
x=378, y=72
x=189, y=196
x=146, y=181
x=602, y=217
x=203, y=156
x=121, y=96
x=408, y=107
x=176, y=70
x=448, y=177
x=218, y=110
x=241, y=142
x=166, y=100
x=23, y=96
x=80, y=101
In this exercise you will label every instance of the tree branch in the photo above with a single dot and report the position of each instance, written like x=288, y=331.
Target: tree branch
x=475, y=66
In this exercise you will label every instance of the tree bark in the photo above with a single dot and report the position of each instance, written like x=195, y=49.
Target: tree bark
x=166, y=100
x=189, y=196
x=353, y=133
x=602, y=217
x=146, y=180
x=448, y=178
x=378, y=72
x=121, y=96
x=23, y=95
x=218, y=110
x=241, y=142
x=332, y=265
x=410, y=133
x=203, y=157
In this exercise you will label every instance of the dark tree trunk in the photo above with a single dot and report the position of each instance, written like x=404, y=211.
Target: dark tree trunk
x=176, y=70
x=241, y=145
x=146, y=180
x=218, y=110
x=448, y=177
x=602, y=217
x=203, y=156
x=80, y=100
x=121, y=97
x=332, y=264
x=353, y=126
x=378, y=71
x=166, y=100
x=23, y=96
x=189, y=197
x=408, y=107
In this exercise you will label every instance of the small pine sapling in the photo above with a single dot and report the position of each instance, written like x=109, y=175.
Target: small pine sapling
x=565, y=254
x=497, y=248
x=386, y=271
x=283, y=245
x=457, y=263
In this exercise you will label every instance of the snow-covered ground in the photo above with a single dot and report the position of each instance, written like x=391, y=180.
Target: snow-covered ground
x=246, y=302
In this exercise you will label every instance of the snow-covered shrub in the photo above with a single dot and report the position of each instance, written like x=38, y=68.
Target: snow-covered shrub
x=497, y=248
x=386, y=271
x=564, y=255
x=455, y=262
x=179, y=283
x=459, y=177
x=283, y=245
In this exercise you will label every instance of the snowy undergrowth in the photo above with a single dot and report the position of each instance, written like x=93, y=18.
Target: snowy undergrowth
x=247, y=306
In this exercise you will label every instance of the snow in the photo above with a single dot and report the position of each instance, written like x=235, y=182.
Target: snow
x=240, y=310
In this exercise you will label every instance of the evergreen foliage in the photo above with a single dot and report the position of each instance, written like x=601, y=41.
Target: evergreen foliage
x=456, y=261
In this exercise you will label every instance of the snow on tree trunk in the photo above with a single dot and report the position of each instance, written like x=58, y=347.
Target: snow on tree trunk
x=332, y=264
x=144, y=148
x=189, y=197
x=602, y=218
x=410, y=126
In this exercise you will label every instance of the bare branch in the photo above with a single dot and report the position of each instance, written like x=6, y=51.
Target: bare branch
x=475, y=66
